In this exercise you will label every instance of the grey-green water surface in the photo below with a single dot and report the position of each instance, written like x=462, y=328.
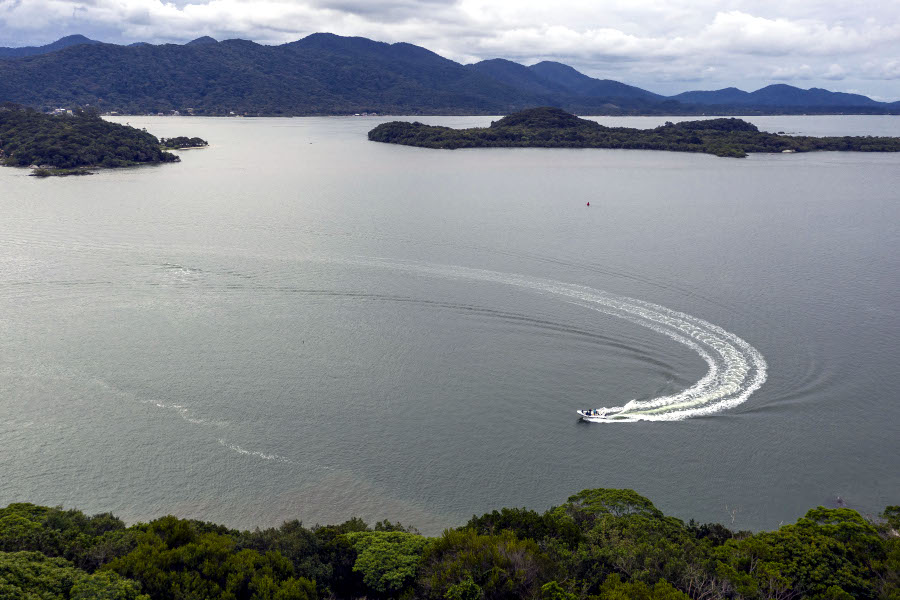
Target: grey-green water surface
x=231, y=338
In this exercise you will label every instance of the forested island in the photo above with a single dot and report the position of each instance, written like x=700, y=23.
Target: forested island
x=72, y=144
x=548, y=127
x=601, y=544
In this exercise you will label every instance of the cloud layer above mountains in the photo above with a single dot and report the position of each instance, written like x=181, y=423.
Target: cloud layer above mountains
x=667, y=46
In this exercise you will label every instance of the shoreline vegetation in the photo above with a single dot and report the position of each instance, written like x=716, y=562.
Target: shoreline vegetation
x=64, y=145
x=549, y=127
x=601, y=544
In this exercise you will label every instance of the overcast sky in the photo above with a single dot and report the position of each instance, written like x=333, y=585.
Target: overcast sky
x=667, y=46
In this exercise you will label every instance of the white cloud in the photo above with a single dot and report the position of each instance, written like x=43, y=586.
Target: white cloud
x=741, y=32
x=834, y=72
x=646, y=42
x=882, y=69
x=789, y=73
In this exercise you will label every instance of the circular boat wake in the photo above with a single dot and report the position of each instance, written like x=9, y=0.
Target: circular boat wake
x=736, y=369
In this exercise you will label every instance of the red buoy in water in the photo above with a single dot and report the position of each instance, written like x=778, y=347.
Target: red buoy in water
x=588, y=203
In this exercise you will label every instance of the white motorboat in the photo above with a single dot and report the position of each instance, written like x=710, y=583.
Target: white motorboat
x=604, y=415
x=590, y=414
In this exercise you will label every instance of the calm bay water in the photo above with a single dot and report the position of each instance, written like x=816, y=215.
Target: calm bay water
x=296, y=323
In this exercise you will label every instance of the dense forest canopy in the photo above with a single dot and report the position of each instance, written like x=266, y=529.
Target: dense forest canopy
x=548, y=127
x=28, y=137
x=601, y=544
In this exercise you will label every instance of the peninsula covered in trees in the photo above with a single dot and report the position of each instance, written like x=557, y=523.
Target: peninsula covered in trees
x=601, y=544
x=548, y=127
x=67, y=144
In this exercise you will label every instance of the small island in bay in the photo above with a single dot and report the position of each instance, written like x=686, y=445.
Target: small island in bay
x=74, y=144
x=182, y=143
x=548, y=127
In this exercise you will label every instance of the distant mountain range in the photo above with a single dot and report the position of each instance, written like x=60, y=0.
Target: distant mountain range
x=328, y=74
x=778, y=95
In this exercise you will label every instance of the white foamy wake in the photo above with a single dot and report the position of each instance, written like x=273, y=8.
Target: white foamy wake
x=257, y=454
x=736, y=369
x=183, y=412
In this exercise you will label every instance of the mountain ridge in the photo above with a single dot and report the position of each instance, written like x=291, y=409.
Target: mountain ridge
x=324, y=73
x=778, y=93
x=63, y=42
